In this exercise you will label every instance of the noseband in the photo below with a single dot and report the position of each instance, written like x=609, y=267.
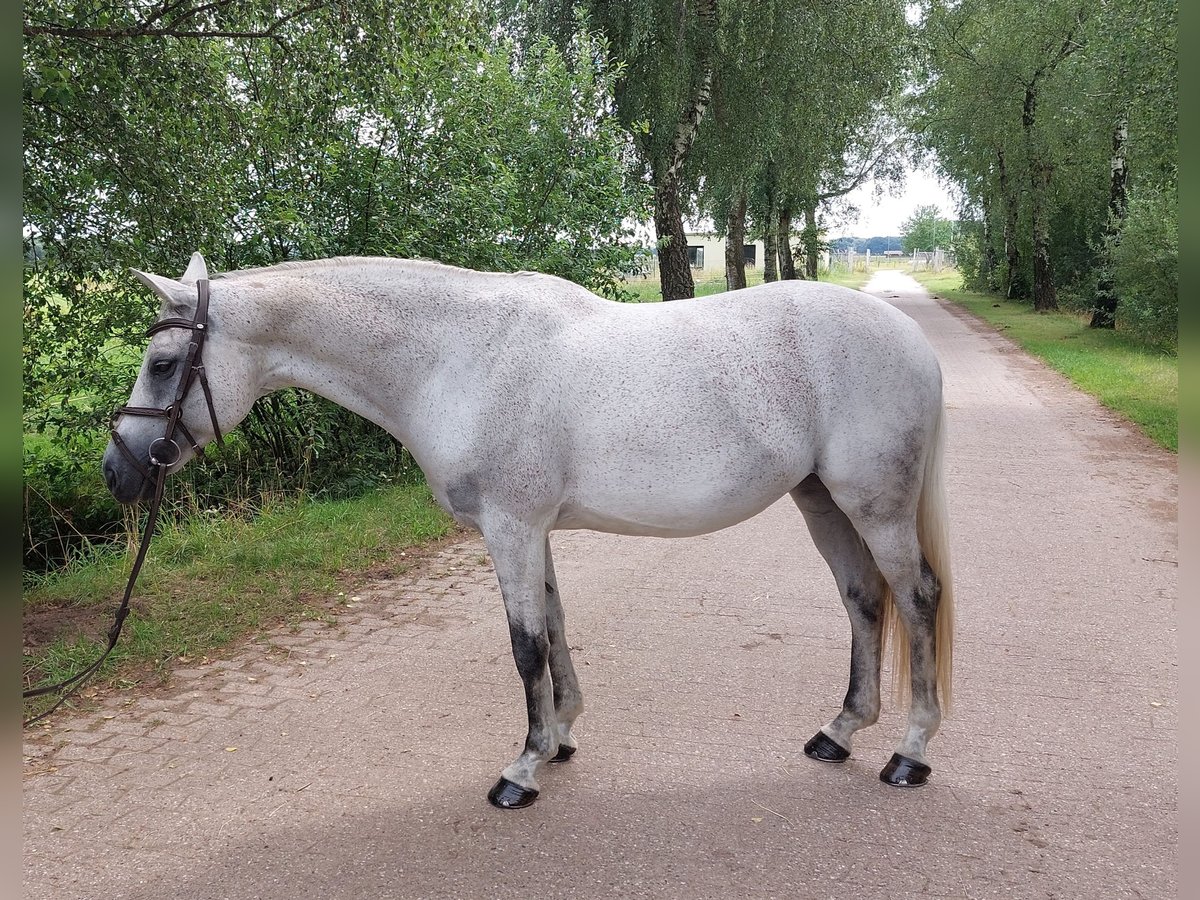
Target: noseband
x=164, y=451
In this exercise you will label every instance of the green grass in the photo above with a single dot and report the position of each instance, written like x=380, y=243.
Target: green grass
x=856, y=279
x=649, y=290
x=216, y=578
x=1139, y=382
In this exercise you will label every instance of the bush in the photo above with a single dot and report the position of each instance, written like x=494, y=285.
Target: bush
x=1146, y=268
x=462, y=147
x=64, y=513
x=970, y=257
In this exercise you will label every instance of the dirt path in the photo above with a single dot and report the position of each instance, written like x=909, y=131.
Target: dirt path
x=352, y=760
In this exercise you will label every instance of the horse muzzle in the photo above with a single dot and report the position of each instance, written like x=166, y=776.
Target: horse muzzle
x=126, y=483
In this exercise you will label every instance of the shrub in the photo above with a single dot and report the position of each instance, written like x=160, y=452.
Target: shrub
x=1146, y=267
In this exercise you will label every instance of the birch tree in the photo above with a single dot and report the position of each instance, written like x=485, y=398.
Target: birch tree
x=1057, y=121
x=802, y=115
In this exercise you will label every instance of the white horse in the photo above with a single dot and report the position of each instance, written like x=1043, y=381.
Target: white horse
x=532, y=404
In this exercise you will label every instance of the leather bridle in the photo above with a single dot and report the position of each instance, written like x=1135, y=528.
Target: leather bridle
x=163, y=453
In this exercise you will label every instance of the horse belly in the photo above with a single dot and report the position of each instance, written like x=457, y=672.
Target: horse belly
x=662, y=501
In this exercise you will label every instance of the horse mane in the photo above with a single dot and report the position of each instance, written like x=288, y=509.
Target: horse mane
x=334, y=262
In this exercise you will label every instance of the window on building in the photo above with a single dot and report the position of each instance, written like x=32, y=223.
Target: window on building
x=750, y=254
x=696, y=257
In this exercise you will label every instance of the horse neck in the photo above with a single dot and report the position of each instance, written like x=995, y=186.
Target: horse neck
x=376, y=344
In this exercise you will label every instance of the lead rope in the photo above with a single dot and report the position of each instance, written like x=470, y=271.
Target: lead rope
x=193, y=369
x=75, y=682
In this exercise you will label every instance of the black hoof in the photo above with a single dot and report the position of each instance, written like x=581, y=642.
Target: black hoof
x=826, y=749
x=904, y=772
x=564, y=753
x=510, y=795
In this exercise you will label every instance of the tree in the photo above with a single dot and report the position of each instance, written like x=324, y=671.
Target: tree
x=352, y=129
x=764, y=105
x=1052, y=119
x=925, y=229
x=1009, y=53
x=668, y=51
x=349, y=127
x=801, y=116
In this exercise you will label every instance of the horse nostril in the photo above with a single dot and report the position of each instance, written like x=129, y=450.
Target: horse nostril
x=110, y=476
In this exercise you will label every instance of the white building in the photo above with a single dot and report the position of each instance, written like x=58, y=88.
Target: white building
x=706, y=253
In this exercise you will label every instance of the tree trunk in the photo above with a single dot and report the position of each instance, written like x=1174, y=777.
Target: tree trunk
x=1045, y=296
x=1013, y=280
x=787, y=265
x=811, y=242
x=675, y=273
x=1104, y=309
x=735, y=241
x=674, y=268
x=770, y=272
x=987, y=264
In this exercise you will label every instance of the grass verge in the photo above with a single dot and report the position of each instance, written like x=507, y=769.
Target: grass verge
x=213, y=579
x=1139, y=382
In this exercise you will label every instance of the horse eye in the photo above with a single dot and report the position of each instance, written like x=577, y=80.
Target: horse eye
x=163, y=367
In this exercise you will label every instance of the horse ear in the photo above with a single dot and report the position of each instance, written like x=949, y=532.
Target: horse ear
x=170, y=290
x=196, y=269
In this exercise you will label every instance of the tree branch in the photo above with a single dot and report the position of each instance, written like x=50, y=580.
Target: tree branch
x=163, y=10
x=863, y=173
x=172, y=28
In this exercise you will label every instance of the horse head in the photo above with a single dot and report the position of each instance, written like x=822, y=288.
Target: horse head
x=195, y=382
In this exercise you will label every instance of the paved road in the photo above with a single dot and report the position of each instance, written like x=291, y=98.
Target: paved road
x=364, y=748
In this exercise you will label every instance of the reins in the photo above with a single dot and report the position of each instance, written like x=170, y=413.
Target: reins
x=163, y=453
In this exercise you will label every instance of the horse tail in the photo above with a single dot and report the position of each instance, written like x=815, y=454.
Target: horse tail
x=933, y=535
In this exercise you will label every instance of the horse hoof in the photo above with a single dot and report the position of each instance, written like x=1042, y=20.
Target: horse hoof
x=510, y=795
x=826, y=749
x=564, y=753
x=904, y=772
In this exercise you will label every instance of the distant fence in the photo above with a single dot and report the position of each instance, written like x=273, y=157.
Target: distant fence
x=845, y=261
x=934, y=260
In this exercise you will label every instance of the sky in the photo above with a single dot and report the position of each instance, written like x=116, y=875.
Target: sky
x=883, y=215
x=880, y=216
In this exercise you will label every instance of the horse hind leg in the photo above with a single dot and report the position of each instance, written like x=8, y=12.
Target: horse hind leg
x=568, y=700
x=918, y=599
x=864, y=594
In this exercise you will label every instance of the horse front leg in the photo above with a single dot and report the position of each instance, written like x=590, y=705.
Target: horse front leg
x=518, y=551
x=568, y=700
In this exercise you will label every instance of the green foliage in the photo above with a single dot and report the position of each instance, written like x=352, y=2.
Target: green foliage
x=1087, y=66
x=1146, y=267
x=926, y=230
x=803, y=106
x=64, y=515
x=969, y=248
x=355, y=127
